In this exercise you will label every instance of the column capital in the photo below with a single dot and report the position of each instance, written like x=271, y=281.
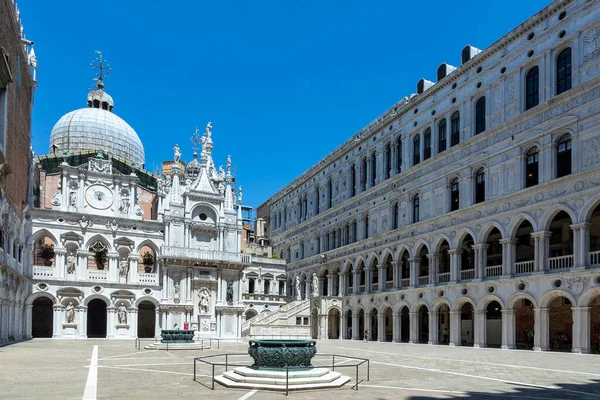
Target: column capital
x=454, y=251
x=432, y=256
x=82, y=252
x=581, y=308
x=415, y=260
x=541, y=234
x=394, y=263
x=580, y=226
x=508, y=312
x=508, y=241
x=381, y=266
x=480, y=246
x=453, y=312
x=60, y=250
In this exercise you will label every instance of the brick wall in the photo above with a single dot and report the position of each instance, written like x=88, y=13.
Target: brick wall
x=19, y=109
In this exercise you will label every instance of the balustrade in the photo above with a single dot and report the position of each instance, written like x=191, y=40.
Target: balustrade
x=560, y=262
x=207, y=255
x=524, y=267
x=148, y=278
x=444, y=277
x=97, y=275
x=423, y=280
x=405, y=282
x=594, y=257
x=466, y=274
x=494, y=270
x=42, y=272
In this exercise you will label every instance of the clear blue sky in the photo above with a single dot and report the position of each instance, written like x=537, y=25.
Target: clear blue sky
x=284, y=82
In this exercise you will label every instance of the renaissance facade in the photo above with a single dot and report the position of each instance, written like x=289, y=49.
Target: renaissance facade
x=467, y=213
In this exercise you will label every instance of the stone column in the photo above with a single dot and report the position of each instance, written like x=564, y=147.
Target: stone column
x=368, y=177
x=413, y=327
x=480, y=252
x=82, y=310
x=59, y=262
x=397, y=327
x=367, y=324
x=381, y=327
x=581, y=244
x=133, y=268
x=396, y=275
x=433, y=268
x=57, y=320
x=508, y=256
x=433, y=327
x=355, y=333
x=156, y=324
x=382, y=276
x=541, y=329
x=341, y=284
x=330, y=285
x=110, y=321
x=581, y=329
x=414, y=271
x=133, y=322
x=113, y=270
x=342, y=327
x=368, y=277
x=28, y=320
x=356, y=282
x=508, y=329
x=82, y=264
x=454, y=328
x=542, y=239
x=479, y=328
x=454, y=265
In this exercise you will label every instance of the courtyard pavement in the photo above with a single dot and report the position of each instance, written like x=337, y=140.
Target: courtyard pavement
x=103, y=369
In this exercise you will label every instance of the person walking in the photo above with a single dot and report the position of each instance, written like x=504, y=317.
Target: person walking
x=366, y=335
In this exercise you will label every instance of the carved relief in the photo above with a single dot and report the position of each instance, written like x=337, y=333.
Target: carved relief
x=496, y=98
x=591, y=44
x=495, y=184
x=591, y=151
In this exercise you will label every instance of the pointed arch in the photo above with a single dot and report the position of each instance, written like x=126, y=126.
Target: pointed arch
x=549, y=216
x=489, y=227
x=372, y=257
x=359, y=259
x=401, y=249
x=462, y=234
x=385, y=253
x=147, y=242
x=439, y=240
x=41, y=233
x=517, y=221
x=421, y=243
x=98, y=238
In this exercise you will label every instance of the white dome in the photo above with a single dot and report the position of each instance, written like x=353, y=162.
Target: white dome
x=97, y=129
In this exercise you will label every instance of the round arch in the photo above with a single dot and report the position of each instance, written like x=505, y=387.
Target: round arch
x=550, y=296
x=95, y=296
x=585, y=215
x=146, y=298
x=510, y=304
x=435, y=306
x=399, y=306
x=417, y=305
x=483, y=303
x=460, y=302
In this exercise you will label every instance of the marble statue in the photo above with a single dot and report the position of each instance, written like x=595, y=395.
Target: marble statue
x=70, y=263
x=298, y=295
x=73, y=198
x=122, y=314
x=315, y=285
x=177, y=154
x=70, y=313
x=204, y=300
x=123, y=268
x=176, y=293
x=124, y=207
x=229, y=294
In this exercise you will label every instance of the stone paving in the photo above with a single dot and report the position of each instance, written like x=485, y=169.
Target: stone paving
x=55, y=369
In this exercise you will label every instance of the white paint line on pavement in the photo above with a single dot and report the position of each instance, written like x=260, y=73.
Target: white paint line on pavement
x=91, y=385
x=503, y=395
x=122, y=355
x=483, y=362
x=151, y=365
x=487, y=378
x=137, y=358
x=244, y=397
x=151, y=370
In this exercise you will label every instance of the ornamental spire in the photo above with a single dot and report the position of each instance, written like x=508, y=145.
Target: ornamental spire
x=102, y=67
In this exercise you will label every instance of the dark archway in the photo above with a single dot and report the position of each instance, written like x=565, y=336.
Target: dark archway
x=525, y=248
x=444, y=324
x=42, y=318
x=349, y=324
x=334, y=324
x=361, y=324
x=96, y=319
x=404, y=325
x=560, y=325
x=494, y=254
x=146, y=319
x=467, y=259
x=388, y=325
x=561, y=242
x=493, y=327
x=466, y=324
x=524, y=323
x=374, y=326
x=423, y=324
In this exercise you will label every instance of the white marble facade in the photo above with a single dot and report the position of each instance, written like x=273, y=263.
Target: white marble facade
x=475, y=199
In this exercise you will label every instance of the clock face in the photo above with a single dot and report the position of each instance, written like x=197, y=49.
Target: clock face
x=99, y=197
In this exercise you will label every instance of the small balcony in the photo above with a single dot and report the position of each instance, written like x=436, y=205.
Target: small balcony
x=40, y=272
x=201, y=255
x=494, y=270
x=263, y=297
x=467, y=274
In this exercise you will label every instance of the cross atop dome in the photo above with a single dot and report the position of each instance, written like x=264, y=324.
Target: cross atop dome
x=103, y=69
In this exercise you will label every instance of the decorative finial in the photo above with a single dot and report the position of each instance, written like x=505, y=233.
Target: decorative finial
x=103, y=68
x=196, y=139
x=176, y=154
x=240, y=196
x=228, y=165
x=208, y=130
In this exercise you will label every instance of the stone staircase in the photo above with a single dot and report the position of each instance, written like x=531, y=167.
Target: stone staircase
x=279, y=323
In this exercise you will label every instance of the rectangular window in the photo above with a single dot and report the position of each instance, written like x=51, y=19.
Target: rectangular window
x=3, y=119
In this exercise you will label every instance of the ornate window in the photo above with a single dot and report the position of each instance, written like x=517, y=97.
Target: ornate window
x=454, y=195
x=388, y=161
x=480, y=185
x=373, y=168
x=399, y=154
x=395, y=215
x=363, y=174
x=417, y=149
x=317, y=200
x=353, y=180
x=532, y=88
x=427, y=144
x=442, y=136
x=416, y=210
x=563, y=156
x=563, y=71
x=480, y=115
x=329, y=194
x=455, y=129
x=531, y=167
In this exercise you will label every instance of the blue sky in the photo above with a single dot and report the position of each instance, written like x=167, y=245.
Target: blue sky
x=284, y=82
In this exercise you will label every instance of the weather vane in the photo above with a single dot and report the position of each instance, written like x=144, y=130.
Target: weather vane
x=196, y=139
x=102, y=67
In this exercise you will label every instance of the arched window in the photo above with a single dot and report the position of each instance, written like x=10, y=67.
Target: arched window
x=399, y=154
x=317, y=200
x=480, y=115
x=455, y=129
x=563, y=156
x=427, y=144
x=563, y=71
x=480, y=185
x=354, y=231
x=416, y=211
x=366, y=233
x=532, y=88
x=454, y=195
x=531, y=167
x=347, y=233
x=388, y=161
x=329, y=194
x=442, y=136
x=363, y=174
x=417, y=149
x=373, y=168
x=251, y=285
x=395, y=212
x=353, y=180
